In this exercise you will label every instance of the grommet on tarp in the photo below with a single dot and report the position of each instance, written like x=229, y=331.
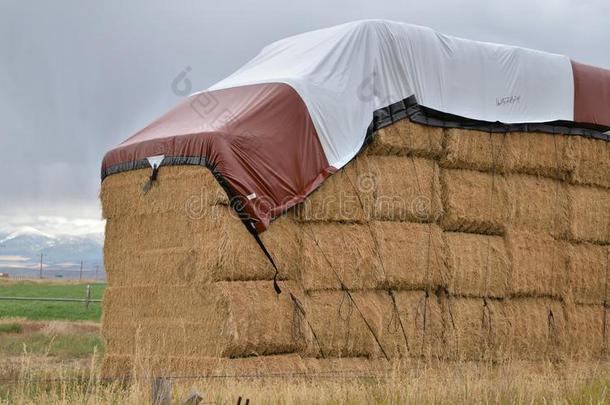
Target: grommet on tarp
x=155, y=163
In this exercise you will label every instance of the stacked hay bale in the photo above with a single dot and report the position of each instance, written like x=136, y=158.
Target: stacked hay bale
x=432, y=244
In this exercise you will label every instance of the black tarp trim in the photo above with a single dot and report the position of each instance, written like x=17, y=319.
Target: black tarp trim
x=409, y=108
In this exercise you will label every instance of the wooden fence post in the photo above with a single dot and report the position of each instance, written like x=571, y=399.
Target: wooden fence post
x=161, y=391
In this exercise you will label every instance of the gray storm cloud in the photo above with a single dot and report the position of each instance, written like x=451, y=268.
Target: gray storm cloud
x=77, y=77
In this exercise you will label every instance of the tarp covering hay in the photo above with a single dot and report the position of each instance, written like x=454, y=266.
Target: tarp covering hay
x=422, y=234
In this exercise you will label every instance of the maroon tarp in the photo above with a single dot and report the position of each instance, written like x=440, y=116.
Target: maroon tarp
x=259, y=138
x=591, y=94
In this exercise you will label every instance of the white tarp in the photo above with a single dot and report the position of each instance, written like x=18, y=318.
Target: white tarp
x=345, y=73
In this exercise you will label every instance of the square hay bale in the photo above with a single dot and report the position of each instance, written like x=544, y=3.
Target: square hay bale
x=150, y=232
x=339, y=199
x=421, y=317
x=588, y=272
x=535, y=329
x=407, y=138
x=340, y=328
x=230, y=253
x=466, y=338
x=226, y=319
x=412, y=255
x=156, y=267
x=474, y=201
x=476, y=150
x=401, y=188
x=478, y=265
x=539, y=153
x=586, y=337
x=177, y=248
x=352, y=254
x=538, y=204
x=538, y=264
x=178, y=189
x=589, y=214
x=592, y=162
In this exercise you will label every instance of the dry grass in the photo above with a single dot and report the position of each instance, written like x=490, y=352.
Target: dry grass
x=417, y=382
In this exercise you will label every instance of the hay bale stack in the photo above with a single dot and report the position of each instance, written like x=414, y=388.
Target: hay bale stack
x=538, y=265
x=474, y=201
x=407, y=138
x=478, y=265
x=474, y=150
x=454, y=244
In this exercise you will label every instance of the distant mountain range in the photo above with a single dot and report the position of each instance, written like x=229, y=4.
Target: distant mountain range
x=21, y=250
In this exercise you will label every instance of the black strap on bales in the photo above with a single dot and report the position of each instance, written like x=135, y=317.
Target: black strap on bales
x=249, y=224
x=153, y=177
x=252, y=229
x=299, y=307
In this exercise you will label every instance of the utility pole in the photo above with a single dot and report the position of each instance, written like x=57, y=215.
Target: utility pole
x=41, y=265
x=96, y=269
x=80, y=277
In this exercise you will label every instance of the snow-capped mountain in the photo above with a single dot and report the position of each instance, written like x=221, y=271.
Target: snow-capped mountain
x=22, y=248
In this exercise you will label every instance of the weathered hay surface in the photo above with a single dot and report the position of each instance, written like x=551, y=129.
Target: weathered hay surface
x=421, y=317
x=404, y=188
x=225, y=319
x=476, y=150
x=532, y=328
x=478, y=265
x=412, y=255
x=339, y=198
x=589, y=214
x=474, y=201
x=409, y=325
x=122, y=196
x=538, y=264
x=585, y=334
x=407, y=138
x=340, y=329
x=176, y=248
x=539, y=153
x=592, y=162
x=377, y=187
x=190, y=291
x=467, y=325
x=538, y=204
x=345, y=249
x=588, y=272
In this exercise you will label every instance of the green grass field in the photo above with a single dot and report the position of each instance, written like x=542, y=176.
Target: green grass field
x=33, y=310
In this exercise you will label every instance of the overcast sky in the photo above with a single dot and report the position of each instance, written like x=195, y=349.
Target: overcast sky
x=76, y=78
